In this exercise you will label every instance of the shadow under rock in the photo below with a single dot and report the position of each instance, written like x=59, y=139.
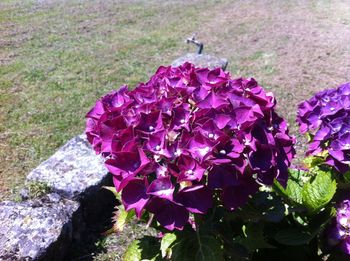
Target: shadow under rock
x=89, y=241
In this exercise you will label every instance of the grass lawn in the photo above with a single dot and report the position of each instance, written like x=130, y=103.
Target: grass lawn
x=57, y=57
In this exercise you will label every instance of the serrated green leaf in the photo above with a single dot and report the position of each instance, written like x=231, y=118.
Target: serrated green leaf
x=255, y=238
x=319, y=192
x=114, y=191
x=167, y=240
x=120, y=218
x=123, y=217
x=292, y=192
x=145, y=248
x=296, y=173
x=293, y=236
x=133, y=252
x=197, y=246
x=150, y=248
x=264, y=206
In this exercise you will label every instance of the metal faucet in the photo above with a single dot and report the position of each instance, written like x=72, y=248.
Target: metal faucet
x=197, y=43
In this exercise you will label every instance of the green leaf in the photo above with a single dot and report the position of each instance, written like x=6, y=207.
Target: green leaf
x=145, y=248
x=114, y=191
x=150, y=248
x=313, y=189
x=346, y=177
x=197, y=246
x=320, y=221
x=255, y=238
x=319, y=192
x=133, y=252
x=263, y=206
x=293, y=236
x=120, y=219
x=292, y=192
x=167, y=240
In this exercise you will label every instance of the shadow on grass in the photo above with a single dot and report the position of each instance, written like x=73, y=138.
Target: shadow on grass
x=91, y=242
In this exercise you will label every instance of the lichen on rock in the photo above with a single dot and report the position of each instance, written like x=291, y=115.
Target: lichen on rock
x=39, y=229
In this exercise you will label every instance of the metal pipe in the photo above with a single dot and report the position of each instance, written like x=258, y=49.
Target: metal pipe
x=197, y=43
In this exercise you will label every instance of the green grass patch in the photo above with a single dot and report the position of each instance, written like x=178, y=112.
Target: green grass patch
x=71, y=55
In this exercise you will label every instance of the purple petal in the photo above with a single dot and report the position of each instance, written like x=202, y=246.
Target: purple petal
x=197, y=199
x=97, y=111
x=200, y=146
x=169, y=214
x=150, y=122
x=134, y=195
x=190, y=169
x=345, y=246
x=262, y=159
x=161, y=187
x=222, y=176
x=213, y=101
x=126, y=161
x=221, y=120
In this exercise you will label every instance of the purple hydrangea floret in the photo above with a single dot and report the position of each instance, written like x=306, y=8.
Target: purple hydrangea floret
x=339, y=234
x=188, y=132
x=326, y=116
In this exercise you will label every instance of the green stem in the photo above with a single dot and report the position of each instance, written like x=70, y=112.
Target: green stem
x=200, y=243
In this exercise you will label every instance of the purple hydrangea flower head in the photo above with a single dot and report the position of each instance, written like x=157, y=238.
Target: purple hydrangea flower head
x=186, y=135
x=326, y=117
x=339, y=234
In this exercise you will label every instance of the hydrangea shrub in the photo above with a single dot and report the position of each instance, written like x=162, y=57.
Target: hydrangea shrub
x=206, y=161
x=326, y=118
x=188, y=134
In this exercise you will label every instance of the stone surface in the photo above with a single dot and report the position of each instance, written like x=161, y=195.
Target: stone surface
x=72, y=170
x=38, y=229
x=201, y=60
x=45, y=228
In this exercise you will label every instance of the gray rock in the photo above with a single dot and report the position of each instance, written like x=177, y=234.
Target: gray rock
x=24, y=193
x=77, y=173
x=72, y=170
x=38, y=229
x=201, y=60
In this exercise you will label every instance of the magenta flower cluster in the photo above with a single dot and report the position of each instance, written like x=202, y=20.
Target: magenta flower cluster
x=340, y=233
x=187, y=138
x=326, y=116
